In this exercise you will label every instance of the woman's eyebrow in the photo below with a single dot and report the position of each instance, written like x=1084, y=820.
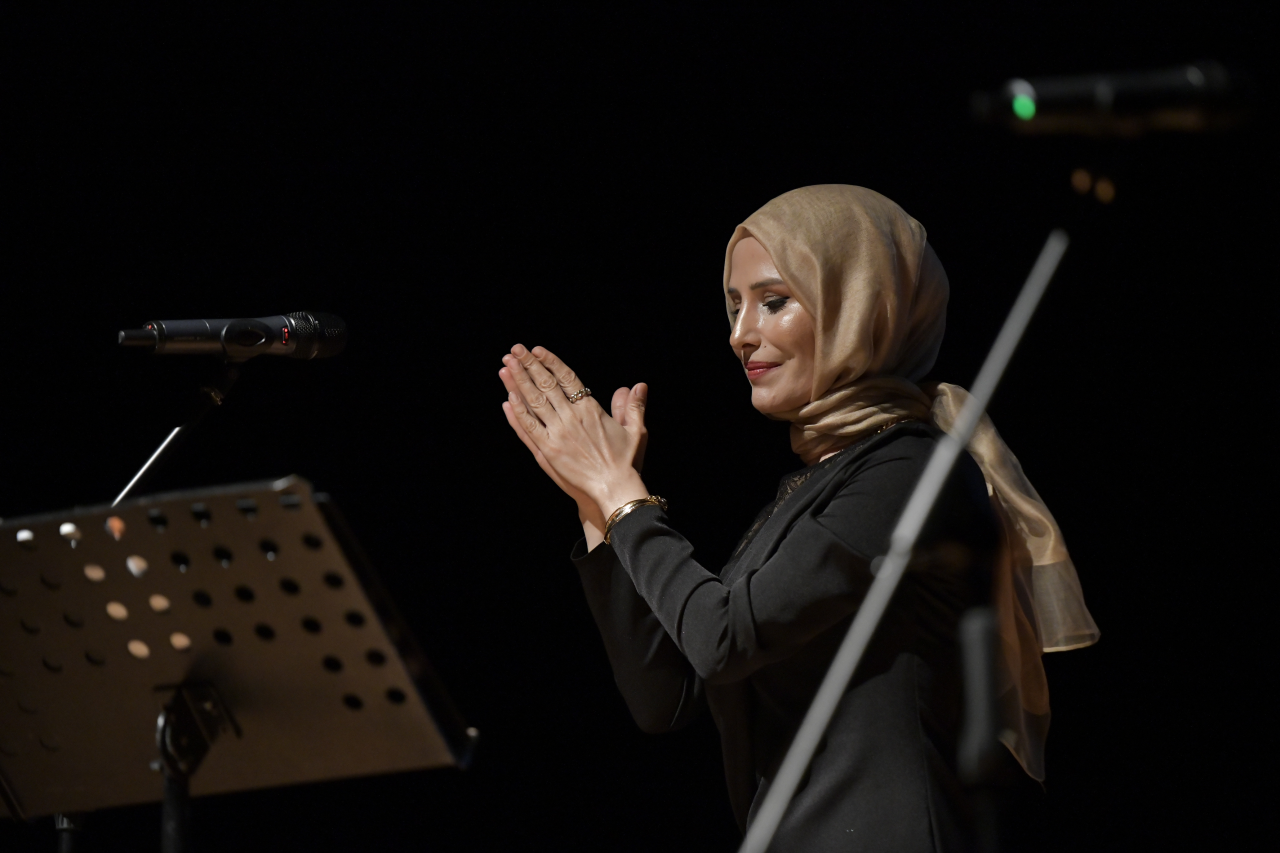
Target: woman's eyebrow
x=768, y=282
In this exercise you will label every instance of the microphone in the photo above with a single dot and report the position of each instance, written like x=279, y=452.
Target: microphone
x=302, y=334
x=1188, y=98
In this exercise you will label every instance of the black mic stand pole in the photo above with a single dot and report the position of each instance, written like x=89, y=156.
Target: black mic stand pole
x=889, y=569
x=978, y=749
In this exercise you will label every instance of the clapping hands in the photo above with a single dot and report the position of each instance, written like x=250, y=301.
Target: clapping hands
x=593, y=456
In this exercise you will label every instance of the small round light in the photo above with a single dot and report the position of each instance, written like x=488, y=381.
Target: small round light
x=1081, y=181
x=139, y=649
x=159, y=603
x=1024, y=107
x=117, y=611
x=95, y=572
x=1105, y=190
x=180, y=641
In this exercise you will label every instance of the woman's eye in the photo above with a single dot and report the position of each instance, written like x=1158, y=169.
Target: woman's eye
x=774, y=305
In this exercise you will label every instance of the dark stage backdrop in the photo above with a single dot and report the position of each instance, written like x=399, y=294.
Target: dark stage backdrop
x=453, y=181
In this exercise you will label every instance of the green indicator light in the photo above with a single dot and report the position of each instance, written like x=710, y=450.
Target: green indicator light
x=1024, y=107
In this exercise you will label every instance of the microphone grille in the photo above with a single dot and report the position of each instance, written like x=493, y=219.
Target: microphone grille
x=319, y=335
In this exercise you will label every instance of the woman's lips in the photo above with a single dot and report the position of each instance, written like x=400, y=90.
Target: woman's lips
x=756, y=369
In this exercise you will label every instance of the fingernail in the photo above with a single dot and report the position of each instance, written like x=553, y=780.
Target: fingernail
x=511, y=396
x=539, y=352
x=518, y=350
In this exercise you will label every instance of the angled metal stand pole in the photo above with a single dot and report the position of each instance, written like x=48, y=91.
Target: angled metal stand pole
x=901, y=544
x=210, y=397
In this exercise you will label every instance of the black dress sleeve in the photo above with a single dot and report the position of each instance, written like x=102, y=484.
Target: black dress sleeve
x=818, y=575
x=661, y=689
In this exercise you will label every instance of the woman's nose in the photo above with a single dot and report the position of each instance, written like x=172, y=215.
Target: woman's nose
x=743, y=335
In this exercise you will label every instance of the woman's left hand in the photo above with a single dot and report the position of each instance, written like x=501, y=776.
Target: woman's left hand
x=589, y=451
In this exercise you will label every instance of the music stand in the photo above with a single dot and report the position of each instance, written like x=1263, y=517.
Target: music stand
x=132, y=638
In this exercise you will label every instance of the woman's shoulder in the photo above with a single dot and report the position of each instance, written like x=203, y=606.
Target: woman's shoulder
x=891, y=464
x=909, y=442
x=888, y=470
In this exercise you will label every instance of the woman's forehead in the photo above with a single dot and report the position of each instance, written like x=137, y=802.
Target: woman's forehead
x=750, y=262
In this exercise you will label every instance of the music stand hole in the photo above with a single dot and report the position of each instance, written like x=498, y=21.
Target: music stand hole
x=264, y=631
x=52, y=664
x=117, y=611
x=222, y=637
x=95, y=573
x=137, y=565
x=30, y=624
x=202, y=598
x=332, y=664
x=181, y=560
x=158, y=520
x=311, y=625
x=312, y=541
x=70, y=532
x=375, y=657
x=139, y=649
x=244, y=594
x=27, y=539
x=248, y=508
x=51, y=579
x=94, y=658
x=73, y=618
x=333, y=580
x=290, y=586
x=352, y=701
x=355, y=618
x=159, y=603
x=290, y=501
x=223, y=556
x=115, y=526
x=269, y=548
x=201, y=514
x=180, y=641
x=396, y=696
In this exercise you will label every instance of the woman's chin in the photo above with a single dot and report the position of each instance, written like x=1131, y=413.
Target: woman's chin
x=769, y=404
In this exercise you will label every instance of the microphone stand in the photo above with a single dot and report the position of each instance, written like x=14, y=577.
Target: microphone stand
x=70, y=826
x=210, y=396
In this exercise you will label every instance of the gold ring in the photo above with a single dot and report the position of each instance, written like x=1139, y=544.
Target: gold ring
x=579, y=394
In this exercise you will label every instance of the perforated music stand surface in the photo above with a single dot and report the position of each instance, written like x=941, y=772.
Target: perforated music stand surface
x=284, y=619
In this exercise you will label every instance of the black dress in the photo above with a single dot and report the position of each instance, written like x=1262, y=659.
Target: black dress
x=753, y=642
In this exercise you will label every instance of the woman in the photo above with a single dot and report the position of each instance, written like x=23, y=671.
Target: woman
x=837, y=308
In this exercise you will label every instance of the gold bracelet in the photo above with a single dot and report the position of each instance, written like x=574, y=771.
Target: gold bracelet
x=624, y=510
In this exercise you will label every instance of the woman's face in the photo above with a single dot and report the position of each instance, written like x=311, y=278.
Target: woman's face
x=772, y=334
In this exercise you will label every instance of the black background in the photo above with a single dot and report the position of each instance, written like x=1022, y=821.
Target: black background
x=452, y=180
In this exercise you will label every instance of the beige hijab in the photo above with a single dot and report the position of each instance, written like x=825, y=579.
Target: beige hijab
x=878, y=297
